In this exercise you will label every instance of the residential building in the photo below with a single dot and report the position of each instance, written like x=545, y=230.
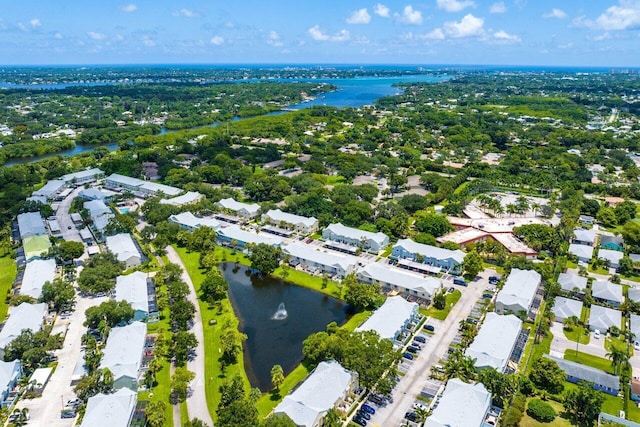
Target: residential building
x=584, y=253
x=36, y=274
x=93, y=193
x=82, y=177
x=132, y=288
x=461, y=405
x=634, y=320
x=300, y=224
x=31, y=224
x=50, y=190
x=329, y=386
x=565, y=308
x=599, y=379
x=582, y=236
x=317, y=261
x=190, y=222
x=611, y=242
x=606, y=292
x=518, y=292
x=391, y=319
x=188, y=198
x=445, y=259
x=395, y=279
x=236, y=236
x=634, y=295
x=613, y=256
x=36, y=247
x=603, y=318
x=243, y=210
x=122, y=354
x=110, y=410
x=354, y=237
x=24, y=316
x=495, y=342
x=140, y=187
x=99, y=213
x=587, y=219
x=125, y=249
x=572, y=283
x=10, y=373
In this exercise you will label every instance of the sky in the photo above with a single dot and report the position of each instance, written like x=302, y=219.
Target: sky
x=600, y=33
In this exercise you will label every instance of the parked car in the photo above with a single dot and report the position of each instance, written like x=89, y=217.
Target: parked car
x=420, y=339
x=596, y=334
x=411, y=416
x=412, y=350
x=413, y=347
x=459, y=281
x=450, y=290
x=430, y=328
x=68, y=414
x=74, y=402
x=494, y=279
x=365, y=415
x=367, y=408
x=360, y=421
x=408, y=356
x=416, y=345
x=636, y=345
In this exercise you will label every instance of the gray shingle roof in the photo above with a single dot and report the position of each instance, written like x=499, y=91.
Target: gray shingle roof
x=110, y=410
x=565, y=308
x=431, y=251
x=494, y=343
x=569, y=281
x=606, y=290
x=461, y=405
x=587, y=373
x=603, y=318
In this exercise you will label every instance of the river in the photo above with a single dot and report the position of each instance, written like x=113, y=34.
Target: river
x=353, y=92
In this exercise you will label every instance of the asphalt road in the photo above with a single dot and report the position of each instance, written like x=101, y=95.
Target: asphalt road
x=64, y=218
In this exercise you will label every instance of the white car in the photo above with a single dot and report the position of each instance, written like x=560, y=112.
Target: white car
x=596, y=334
x=636, y=345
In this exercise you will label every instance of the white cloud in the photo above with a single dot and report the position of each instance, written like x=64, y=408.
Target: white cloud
x=360, y=16
x=504, y=37
x=58, y=36
x=409, y=16
x=22, y=26
x=35, y=23
x=381, y=10
x=436, y=34
x=468, y=26
x=625, y=15
x=118, y=37
x=454, y=5
x=129, y=7
x=317, y=34
x=217, y=40
x=274, y=39
x=96, y=36
x=147, y=41
x=565, y=46
x=185, y=13
x=498, y=7
x=555, y=13
x=601, y=37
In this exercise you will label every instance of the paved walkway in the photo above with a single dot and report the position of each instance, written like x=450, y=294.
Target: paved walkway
x=197, y=401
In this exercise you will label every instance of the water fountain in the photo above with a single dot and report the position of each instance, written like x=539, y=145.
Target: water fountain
x=281, y=313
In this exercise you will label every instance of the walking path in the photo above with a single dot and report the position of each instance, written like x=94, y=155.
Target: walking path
x=197, y=400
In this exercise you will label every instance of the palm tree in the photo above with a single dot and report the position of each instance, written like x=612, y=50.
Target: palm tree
x=460, y=366
x=619, y=359
x=535, y=207
x=277, y=377
x=421, y=414
x=570, y=323
x=23, y=417
x=512, y=209
x=332, y=419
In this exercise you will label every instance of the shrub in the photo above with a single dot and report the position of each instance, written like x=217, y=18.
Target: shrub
x=541, y=411
x=511, y=417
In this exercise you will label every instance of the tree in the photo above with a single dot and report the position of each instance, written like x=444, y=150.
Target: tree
x=111, y=312
x=570, y=323
x=22, y=417
x=183, y=343
x=540, y=411
x=436, y=225
x=180, y=382
x=277, y=376
x=502, y=386
x=413, y=203
x=625, y=211
x=155, y=413
x=68, y=250
x=235, y=408
x=583, y=404
x=440, y=300
x=332, y=419
x=231, y=341
x=278, y=420
x=607, y=217
x=120, y=224
x=619, y=359
x=472, y=264
x=196, y=423
x=59, y=294
x=626, y=266
x=460, y=366
x=547, y=375
x=182, y=312
x=99, y=273
x=213, y=287
x=265, y=258
x=360, y=296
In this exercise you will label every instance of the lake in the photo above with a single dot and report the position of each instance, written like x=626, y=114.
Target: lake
x=273, y=338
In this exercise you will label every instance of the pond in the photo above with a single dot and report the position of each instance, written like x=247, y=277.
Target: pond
x=276, y=316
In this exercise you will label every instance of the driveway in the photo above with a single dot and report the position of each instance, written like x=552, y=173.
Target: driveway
x=411, y=384
x=197, y=401
x=69, y=231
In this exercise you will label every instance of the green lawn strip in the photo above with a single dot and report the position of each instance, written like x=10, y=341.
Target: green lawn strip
x=452, y=299
x=212, y=320
x=527, y=421
x=184, y=413
x=598, y=270
x=578, y=333
x=306, y=280
x=387, y=251
x=161, y=392
x=534, y=351
x=589, y=360
x=8, y=271
x=269, y=401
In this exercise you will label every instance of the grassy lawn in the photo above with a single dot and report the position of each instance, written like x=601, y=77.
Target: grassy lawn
x=578, y=333
x=161, y=392
x=8, y=271
x=599, y=270
x=184, y=413
x=589, y=360
x=534, y=351
x=527, y=421
x=306, y=280
x=335, y=179
x=452, y=299
x=212, y=320
x=387, y=251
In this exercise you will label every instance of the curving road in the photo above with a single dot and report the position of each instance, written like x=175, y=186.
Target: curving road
x=197, y=401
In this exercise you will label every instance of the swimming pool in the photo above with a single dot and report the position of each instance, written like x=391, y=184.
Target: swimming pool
x=124, y=210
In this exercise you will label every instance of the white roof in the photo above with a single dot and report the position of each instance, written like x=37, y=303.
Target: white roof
x=41, y=376
x=190, y=220
x=565, y=308
x=234, y=232
x=306, y=252
x=430, y=251
x=276, y=215
x=123, y=352
x=110, y=410
x=603, y=318
x=606, y=290
x=584, y=235
x=36, y=274
x=569, y=281
x=50, y=188
x=613, y=257
x=520, y=288
x=8, y=372
x=494, y=343
x=401, y=278
x=317, y=394
x=634, y=295
x=390, y=317
x=153, y=187
x=96, y=193
x=31, y=224
x=635, y=325
x=461, y=405
x=97, y=208
x=133, y=289
x=122, y=246
x=24, y=316
x=581, y=251
x=236, y=206
x=187, y=198
x=81, y=175
x=124, y=180
x=357, y=234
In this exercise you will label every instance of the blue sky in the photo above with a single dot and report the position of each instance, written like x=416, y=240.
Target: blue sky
x=510, y=32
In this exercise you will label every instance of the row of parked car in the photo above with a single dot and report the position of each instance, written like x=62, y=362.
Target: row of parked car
x=363, y=415
x=414, y=348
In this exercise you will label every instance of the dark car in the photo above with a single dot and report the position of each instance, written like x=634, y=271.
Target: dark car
x=68, y=414
x=494, y=279
x=360, y=421
x=459, y=281
x=430, y=328
x=367, y=408
x=365, y=415
x=69, y=228
x=412, y=350
x=411, y=416
x=420, y=339
x=407, y=356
